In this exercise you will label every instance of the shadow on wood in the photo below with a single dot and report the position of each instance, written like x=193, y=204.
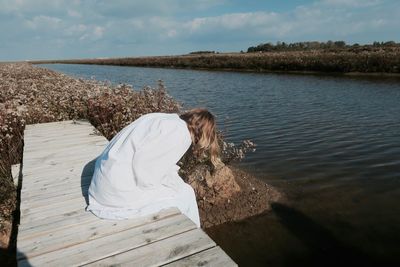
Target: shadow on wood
x=86, y=178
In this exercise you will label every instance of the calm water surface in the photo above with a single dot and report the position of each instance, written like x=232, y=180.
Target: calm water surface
x=332, y=144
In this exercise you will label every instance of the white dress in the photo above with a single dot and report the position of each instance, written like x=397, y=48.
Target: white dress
x=137, y=175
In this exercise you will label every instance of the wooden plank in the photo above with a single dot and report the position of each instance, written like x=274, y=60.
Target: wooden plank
x=73, y=122
x=75, y=203
x=211, y=257
x=78, y=162
x=57, y=222
x=73, y=169
x=32, y=231
x=58, y=134
x=37, y=149
x=47, y=183
x=58, y=124
x=76, y=234
x=48, y=150
x=44, y=201
x=50, y=186
x=56, y=192
x=168, y=250
x=53, y=159
x=61, y=130
x=107, y=246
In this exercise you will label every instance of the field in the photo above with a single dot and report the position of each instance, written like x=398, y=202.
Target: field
x=362, y=60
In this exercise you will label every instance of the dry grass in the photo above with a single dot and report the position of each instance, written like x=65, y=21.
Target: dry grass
x=360, y=60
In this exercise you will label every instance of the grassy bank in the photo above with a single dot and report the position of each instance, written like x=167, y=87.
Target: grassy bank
x=365, y=61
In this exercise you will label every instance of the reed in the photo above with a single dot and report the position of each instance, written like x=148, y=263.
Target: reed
x=366, y=60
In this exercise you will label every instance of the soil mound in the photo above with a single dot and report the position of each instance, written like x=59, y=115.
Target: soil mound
x=229, y=194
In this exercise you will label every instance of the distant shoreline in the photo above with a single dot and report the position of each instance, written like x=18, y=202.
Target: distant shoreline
x=368, y=63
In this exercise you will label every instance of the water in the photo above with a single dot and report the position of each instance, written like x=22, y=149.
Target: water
x=330, y=143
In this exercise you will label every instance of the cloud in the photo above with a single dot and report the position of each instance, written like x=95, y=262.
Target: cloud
x=352, y=3
x=43, y=22
x=324, y=20
x=74, y=30
x=122, y=27
x=74, y=13
x=233, y=21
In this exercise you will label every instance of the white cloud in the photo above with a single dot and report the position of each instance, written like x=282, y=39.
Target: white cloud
x=233, y=21
x=92, y=33
x=76, y=30
x=43, y=22
x=98, y=32
x=352, y=3
x=136, y=23
x=74, y=14
x=172, y=33
x=32, y=6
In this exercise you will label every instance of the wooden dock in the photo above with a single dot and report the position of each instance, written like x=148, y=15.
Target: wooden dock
x=55, y=229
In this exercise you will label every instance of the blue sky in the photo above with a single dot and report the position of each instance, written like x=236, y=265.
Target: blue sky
x=58, y=29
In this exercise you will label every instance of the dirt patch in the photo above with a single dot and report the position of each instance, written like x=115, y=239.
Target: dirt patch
x=5, y=234
x=230, y=194
x=7, y=206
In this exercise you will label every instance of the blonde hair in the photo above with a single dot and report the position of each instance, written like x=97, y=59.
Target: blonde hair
x=202, y=128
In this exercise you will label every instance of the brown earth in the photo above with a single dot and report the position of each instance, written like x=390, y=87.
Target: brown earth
x=230, y=194
x=5, y=234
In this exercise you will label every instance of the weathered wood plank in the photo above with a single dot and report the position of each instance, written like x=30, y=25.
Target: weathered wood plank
x=76, y=234
x=168, y=250
x=54, y=208
x=58, y=125
x=66, y=130
x=85, y=168
x=63, y=144
x=78, y=163
x=56, y=193
x=39, y=130
x=63, y=149
x=211, y=257
x=60, y=157
x=48, y=183
x=51, y=135
x=45, y=203
x=107, y=246
x=57, y=222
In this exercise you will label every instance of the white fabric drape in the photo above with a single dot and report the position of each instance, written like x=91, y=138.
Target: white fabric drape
x=137, y=175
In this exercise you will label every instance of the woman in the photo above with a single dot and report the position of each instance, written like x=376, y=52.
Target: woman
x=137, y=175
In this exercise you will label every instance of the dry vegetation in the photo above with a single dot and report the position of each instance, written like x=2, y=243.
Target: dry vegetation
x=30, y=95
x=362, y=59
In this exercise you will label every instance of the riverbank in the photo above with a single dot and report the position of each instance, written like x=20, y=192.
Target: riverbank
x=31, y=95
x=383, y=61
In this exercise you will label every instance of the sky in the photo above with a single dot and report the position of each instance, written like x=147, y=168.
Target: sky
x=62, y=29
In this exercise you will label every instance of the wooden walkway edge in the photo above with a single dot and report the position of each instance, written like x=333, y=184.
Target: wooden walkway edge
x=55, y=229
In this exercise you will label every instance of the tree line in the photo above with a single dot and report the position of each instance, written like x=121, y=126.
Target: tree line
x=315, y=45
